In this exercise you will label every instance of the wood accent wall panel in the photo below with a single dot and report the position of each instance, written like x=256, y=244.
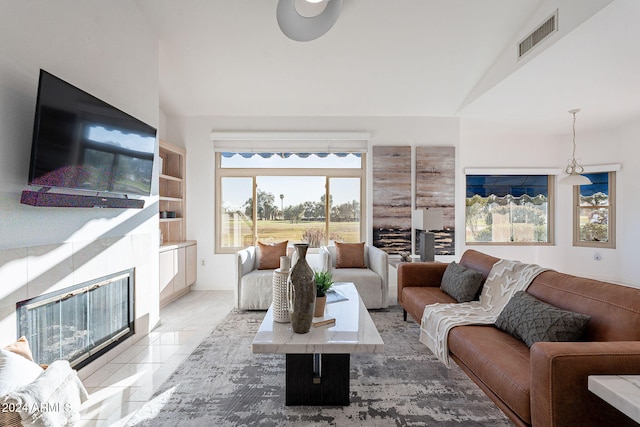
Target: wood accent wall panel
x=435, y=188
x=392, y=198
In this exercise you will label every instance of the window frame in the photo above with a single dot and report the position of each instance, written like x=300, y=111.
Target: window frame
x=611, y=242
x=550, y=211
x=254, y=173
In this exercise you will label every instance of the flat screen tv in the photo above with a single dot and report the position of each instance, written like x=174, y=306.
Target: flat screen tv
x=83, y=143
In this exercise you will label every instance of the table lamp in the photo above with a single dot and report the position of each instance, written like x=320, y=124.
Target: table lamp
x=427, y=220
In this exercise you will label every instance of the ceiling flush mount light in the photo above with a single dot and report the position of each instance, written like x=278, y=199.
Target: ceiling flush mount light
x=300, y=26
x=574, y=169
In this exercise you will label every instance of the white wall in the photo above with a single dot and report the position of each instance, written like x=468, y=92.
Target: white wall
x=106, y=49
x=218, y=271
x=492, y=146
x=479, y=145
x=628, y=143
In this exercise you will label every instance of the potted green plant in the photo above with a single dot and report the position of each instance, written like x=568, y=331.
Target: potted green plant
x=324, y=281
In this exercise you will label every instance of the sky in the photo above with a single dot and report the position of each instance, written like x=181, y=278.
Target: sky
x=296, y=189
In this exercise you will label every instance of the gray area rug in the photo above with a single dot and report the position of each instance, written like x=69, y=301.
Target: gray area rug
x=223, y=384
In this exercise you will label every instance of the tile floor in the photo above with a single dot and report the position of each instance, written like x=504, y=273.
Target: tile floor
x=128, y=381
x=123, y=385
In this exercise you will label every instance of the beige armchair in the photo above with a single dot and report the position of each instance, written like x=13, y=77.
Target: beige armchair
x=254, y=288
x=371, y=282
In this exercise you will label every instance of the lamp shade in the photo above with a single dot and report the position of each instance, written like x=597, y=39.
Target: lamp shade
x=304, y=29
x=574, y=169
x=428, y=219
x=575, y=179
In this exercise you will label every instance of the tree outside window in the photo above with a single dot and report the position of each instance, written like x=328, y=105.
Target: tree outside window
x=272, y=197
x=508, y=209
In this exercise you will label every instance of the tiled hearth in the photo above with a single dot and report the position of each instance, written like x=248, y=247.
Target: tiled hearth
x=122, y=386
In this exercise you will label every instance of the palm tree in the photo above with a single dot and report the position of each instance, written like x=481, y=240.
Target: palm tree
x=282, y=203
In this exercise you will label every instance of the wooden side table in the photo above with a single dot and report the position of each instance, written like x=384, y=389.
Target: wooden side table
x=280, y=298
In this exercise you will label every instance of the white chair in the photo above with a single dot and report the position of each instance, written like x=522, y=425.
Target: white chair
x=372, y=282
x=254, y=288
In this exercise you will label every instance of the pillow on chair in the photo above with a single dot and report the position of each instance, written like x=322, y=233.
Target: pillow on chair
x=16, y=371
x=269, y=254
x=350, y=255
x=21, y=347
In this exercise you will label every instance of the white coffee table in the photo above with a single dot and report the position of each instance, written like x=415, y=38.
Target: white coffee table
x=620, y=391
x=318, y=362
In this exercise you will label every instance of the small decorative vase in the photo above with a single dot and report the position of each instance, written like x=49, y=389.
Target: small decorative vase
x=280, y=297
x=285, y=264
x=320, y=304
x=302, y=292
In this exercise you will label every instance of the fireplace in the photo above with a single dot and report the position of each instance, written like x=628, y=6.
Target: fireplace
x=81, y=322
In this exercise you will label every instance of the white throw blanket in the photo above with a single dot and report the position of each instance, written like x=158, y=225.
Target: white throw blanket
x=505, y=278
x=52, y=400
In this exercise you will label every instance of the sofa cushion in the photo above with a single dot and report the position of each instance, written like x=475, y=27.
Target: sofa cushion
x=498, y=360
x=350, y=255
x=269, y=254
x=21, y=347
x=532, y=320
x=16, y=371
x=460, y=282
x=256, y=290
x=414, y=299
x=367, y=282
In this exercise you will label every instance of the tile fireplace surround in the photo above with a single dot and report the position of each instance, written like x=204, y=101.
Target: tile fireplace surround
x=29, y=272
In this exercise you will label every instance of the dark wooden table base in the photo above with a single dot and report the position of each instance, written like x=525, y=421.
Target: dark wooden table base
x=317, y=379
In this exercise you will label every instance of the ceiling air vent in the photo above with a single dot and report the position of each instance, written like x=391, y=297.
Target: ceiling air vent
x=542, y=32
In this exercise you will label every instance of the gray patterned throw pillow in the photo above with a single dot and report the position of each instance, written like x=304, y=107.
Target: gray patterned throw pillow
x=460, y=282
x=532, y=320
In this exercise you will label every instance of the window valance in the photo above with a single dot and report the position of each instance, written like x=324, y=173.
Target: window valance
x=286, y=155
x=302, y=144
x=507, y=185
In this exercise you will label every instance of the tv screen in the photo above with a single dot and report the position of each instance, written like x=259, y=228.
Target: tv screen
x=83, y=143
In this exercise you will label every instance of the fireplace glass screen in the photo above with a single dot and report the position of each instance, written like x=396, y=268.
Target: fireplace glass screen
x=81, y=322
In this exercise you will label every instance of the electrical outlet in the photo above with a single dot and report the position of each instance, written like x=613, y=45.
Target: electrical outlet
x=202, y=263
x=597, y=256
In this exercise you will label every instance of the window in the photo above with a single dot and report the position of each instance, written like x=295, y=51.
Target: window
x=271, y=197
x=236, y=218
x=511, y=209
x=594, y=211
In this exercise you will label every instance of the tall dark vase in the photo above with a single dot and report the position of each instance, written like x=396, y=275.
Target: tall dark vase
x=302, y=292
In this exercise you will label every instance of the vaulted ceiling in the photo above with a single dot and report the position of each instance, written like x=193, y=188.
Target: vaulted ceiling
x=402, y=58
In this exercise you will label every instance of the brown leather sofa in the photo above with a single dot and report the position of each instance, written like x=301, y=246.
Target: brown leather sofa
x=545, y=385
